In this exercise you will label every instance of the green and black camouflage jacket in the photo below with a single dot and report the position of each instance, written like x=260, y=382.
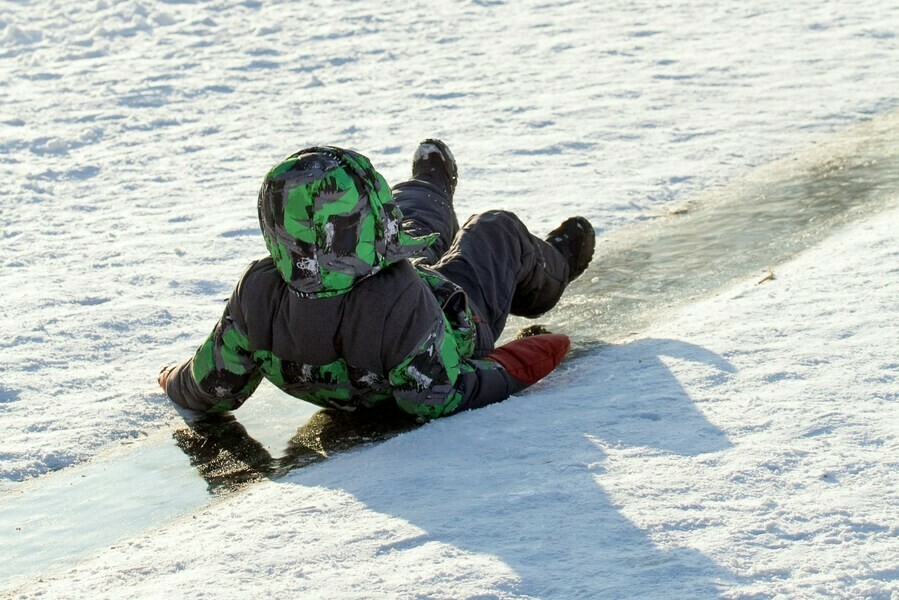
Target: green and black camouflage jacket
x=404, y=335
x=337, y=315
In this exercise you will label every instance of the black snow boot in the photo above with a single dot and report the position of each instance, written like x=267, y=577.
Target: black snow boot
x=433, y=162
x=575, y=239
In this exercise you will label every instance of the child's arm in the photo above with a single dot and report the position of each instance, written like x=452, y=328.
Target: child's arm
x=435, y=381
x=220, y=376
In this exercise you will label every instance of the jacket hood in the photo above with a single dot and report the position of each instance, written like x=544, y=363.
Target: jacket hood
x=329, y=221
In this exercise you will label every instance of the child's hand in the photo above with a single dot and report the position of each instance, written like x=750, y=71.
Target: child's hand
x=164, y=375
x=532, y=358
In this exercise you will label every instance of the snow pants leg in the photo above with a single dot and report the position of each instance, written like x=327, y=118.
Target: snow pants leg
x=500, y=265
x=427, y=209
x=504, y=269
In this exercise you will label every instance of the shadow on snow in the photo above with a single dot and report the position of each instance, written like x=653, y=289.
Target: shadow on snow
x=526, y=487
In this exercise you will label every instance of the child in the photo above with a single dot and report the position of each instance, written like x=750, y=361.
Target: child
x=372, y=295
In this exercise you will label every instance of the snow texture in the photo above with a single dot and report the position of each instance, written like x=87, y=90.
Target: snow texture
x=743, y=446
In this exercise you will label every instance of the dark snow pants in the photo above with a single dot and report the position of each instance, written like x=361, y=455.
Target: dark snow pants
x=500, y=265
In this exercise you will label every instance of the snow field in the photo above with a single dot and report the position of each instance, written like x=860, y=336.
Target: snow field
x=725, y=453
x=744, y=447
x=801, y=503
x=135, y=135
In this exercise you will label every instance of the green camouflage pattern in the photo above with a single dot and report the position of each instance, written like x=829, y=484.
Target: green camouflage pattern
x=454, y=305
x=329, y=220
x=424, y=384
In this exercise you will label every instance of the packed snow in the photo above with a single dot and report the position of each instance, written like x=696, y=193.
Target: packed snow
x=742, y=445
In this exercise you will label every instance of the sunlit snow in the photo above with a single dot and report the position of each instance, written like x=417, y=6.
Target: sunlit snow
x=742, y=442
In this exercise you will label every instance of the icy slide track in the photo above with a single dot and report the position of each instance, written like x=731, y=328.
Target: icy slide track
x=730, y=234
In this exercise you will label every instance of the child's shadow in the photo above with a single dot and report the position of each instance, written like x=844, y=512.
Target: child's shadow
x=535, y=497
x=643, y=403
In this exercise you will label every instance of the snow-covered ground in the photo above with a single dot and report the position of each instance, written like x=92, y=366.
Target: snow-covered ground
x=745, y=445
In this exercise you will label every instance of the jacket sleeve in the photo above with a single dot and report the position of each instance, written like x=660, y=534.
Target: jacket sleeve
x=221, y=375
x=436, y=380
